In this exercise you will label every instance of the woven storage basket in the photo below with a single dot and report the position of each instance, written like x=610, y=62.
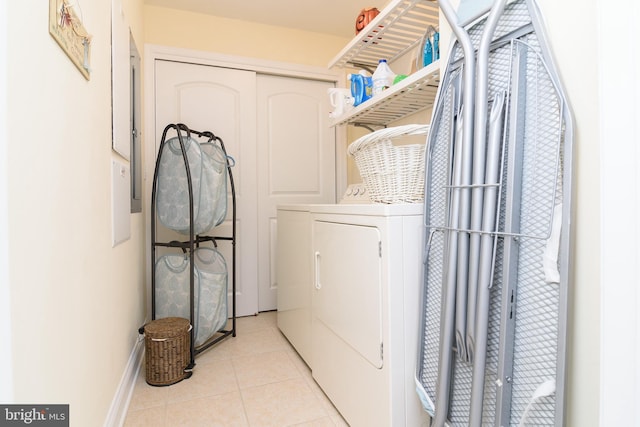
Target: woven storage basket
x=391, y=173
x=168, y=348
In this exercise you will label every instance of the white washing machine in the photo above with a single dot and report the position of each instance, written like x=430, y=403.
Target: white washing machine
x=353, y=311
x=294, y=277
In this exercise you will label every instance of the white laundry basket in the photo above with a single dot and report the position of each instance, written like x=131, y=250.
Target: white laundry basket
x=391, y=173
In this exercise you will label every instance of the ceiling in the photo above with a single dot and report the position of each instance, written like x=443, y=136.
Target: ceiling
x=335, y=17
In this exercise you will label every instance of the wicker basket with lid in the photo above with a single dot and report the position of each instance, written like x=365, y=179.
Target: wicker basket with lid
x=168, y=349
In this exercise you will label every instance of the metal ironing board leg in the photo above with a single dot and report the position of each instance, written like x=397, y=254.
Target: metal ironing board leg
x=479, y=166
x=485, y=171
x=448, y=315
x=487, y=251
x=513, y=185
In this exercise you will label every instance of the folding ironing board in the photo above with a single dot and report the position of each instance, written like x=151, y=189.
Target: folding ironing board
x=497, y=225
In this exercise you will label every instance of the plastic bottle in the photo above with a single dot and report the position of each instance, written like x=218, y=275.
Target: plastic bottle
x=427, y=56
x=382, y=77
x=361, y=87
x=431, y=51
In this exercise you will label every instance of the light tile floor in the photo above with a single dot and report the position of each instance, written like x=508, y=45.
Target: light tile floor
x=255, y=379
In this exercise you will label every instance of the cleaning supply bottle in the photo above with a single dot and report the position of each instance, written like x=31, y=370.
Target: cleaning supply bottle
x=382, y=77
x=427, y=55
x=361, y=87
x=431, y=51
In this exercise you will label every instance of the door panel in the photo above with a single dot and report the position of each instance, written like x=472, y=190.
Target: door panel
x=296, y=160
x=222, y=101
x=347, y=298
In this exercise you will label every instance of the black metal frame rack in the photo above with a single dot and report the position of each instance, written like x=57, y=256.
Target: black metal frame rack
x=194, y=241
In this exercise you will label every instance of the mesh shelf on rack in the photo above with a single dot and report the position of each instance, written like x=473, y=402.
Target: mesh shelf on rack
x=398, y=28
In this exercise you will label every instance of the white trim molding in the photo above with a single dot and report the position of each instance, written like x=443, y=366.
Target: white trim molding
x=6, y=360
x=619, y=94
x=120, y=403
x=261, y=66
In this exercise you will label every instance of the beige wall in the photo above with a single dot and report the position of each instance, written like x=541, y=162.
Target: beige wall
x=76, y=302
x=579, y=73
x=188, y=30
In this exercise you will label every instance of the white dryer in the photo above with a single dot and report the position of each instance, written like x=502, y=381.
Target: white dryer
x=364, y=266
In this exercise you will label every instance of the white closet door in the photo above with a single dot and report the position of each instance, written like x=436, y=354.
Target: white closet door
x=296, y=160
x=222, y=101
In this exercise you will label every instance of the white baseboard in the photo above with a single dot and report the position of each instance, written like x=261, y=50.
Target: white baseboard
x=120, y=404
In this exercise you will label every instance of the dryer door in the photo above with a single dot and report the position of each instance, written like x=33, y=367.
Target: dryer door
x=348, y=286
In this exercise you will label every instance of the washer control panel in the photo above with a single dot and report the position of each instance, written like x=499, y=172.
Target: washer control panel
x=356, y=193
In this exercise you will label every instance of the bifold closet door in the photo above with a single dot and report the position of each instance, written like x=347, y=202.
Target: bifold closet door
x=222, y=101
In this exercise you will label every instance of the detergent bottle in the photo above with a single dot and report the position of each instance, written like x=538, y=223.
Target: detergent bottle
x=427, y=56
x=382, y=77
x=431, y=50
x=361, y=87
